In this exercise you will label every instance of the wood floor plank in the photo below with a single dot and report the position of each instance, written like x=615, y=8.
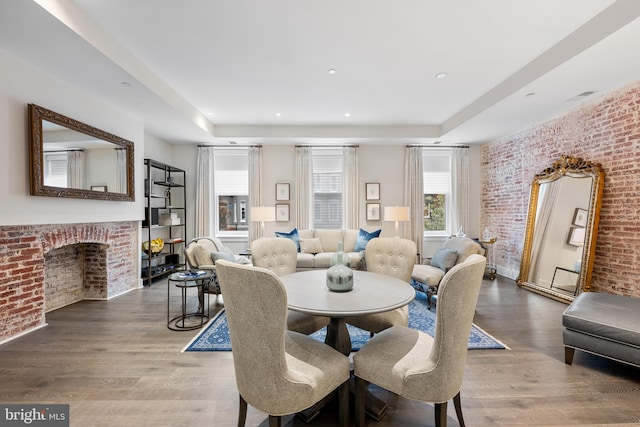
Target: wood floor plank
x=116, y=363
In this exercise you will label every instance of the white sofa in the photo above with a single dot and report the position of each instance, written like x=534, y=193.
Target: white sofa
x=318, y=246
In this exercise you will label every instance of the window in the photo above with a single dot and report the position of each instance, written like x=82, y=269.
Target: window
x=231, y=180
x=327, y=187
x=436, y=167
x=55, y=169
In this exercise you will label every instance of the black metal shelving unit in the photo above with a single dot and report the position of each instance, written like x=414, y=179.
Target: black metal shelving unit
x=165, y=218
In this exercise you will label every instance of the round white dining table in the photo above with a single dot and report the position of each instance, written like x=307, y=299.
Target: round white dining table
x=307, y=292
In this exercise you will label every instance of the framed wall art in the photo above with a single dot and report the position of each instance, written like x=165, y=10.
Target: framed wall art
x=282, y=191
x=373, y=211
x=580, y=217
x=282, y=213
x=576, y=236
x=99, y=188
x=372, y=190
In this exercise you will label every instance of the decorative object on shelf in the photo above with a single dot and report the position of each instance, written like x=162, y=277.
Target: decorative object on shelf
x=397, y=214
x=373, y=211
x=339, y=276
x=282, y=191
x=156, y=246
x=340, y=257
x=372, y=190
x=167, y=195
x=460, y=232
x=486, y=234
x=282, y=212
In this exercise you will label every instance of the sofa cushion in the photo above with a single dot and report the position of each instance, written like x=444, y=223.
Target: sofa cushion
x=305, y=260
x=310, y=246
x=329, y=239
x=225, y=255
x=293, y=235
x=363, y=239
x=350, y=238
x=306, y=234
x=444, y=258
x=427, y=274
x=323, y=260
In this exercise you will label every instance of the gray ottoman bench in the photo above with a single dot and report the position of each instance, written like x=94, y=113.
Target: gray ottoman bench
x=604, y=324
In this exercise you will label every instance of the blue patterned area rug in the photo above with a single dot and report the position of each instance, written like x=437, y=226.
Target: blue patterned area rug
x=215, y=335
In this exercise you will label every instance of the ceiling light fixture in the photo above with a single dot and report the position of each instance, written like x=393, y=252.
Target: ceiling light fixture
x=332, y=71
x=441, y=76
x=530, y=94
x=278, y=114
x=126, y=84
x=347, y=114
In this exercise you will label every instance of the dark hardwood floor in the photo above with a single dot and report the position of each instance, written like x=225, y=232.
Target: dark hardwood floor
x=116, y=364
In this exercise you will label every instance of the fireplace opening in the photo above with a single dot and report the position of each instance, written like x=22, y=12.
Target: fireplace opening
x=73, y=273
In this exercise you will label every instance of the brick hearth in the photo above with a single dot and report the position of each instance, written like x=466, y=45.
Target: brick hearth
x=109, y=253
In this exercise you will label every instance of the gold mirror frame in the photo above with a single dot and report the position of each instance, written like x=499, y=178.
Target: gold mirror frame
x=39, y=114
x=571, y=167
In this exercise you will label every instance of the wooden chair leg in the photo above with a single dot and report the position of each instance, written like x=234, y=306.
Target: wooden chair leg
x=441, y=414
x=275, y=421
x=242, y=413
x=568, y=355
x=361, y=387
x=458, y=405
x=343, y=403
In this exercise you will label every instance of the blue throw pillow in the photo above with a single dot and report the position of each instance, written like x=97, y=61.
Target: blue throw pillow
x=293, y=235
x=363, y=239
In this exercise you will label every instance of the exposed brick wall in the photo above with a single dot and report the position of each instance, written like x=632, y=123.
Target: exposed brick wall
x=111, y=262
x=606, y=132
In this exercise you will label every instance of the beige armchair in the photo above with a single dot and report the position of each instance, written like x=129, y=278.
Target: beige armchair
x=203, y=252
x=277, y=371
x=416, y=366
x=395, y=257
x=280, y=256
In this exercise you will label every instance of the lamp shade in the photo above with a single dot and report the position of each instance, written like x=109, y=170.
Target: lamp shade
x=396, y=213
x=262, y=213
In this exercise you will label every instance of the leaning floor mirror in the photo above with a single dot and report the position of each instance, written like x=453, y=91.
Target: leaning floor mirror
x=561, y=229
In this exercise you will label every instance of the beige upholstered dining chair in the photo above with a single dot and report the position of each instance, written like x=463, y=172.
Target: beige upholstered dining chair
x=277, y=371
x=394, y=257
x=414, y=365
x=280, y=256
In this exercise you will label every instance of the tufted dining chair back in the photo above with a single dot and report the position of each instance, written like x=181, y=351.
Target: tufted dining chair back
x=280, y=255
x=392, y=256
x=277, y=254
x=277, y=371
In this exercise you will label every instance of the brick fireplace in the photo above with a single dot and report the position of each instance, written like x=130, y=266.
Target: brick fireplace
x=35, y=258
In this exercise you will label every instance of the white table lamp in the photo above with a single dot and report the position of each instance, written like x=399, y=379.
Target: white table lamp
x=397, y=214
x=262, y=214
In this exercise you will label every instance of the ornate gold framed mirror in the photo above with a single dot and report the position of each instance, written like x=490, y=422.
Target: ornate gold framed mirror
x=69, y=158
x=561, y=229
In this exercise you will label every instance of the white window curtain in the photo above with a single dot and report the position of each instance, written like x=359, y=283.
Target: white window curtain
x=75, y=169
x=460, y=189
x=255, y=187
x=121, y=170
x=350, y=195
x=205, y=193
x=414, y=195
x=304, y=187
x=547, y=197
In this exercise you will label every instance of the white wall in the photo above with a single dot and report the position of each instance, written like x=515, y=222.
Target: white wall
x=22, y=84
x=383, y=164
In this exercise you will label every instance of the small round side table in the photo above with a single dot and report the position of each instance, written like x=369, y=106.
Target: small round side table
x=189, y=279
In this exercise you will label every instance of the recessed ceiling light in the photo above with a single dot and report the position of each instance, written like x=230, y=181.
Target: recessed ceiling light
x=233, y=143
x=278, y=114
x=347, y=114
x=437, y=142
x=332, y=71
x=126, y=84
x=441, y=76
x=209, y=114
x=530, y=94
